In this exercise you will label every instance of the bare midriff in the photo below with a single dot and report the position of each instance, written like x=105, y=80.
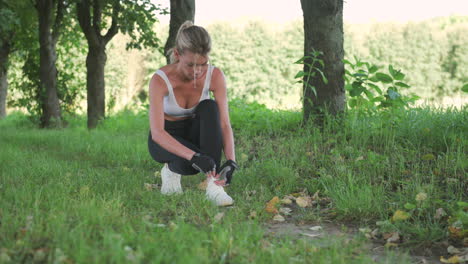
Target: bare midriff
x=173, y=118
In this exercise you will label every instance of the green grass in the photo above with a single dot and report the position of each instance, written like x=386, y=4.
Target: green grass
x=78, y=195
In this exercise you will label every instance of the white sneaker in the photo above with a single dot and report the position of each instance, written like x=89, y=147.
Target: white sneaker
x=170, y=181
x=216, y=194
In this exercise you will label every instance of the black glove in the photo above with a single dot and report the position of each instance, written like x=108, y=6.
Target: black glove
x=227, y=170
x=202, y=163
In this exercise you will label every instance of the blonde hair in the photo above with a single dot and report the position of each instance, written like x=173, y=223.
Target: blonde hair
x=192, y=38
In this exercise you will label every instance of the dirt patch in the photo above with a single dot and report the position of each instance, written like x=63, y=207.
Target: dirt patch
x=321, y=231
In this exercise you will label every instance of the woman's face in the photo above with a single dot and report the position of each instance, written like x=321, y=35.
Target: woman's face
x=192, y=65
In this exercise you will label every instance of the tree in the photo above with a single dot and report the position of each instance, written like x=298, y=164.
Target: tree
x=323, y=31
x=181, y=11
x=135, y=18
x=8, y=23
x=50, y=14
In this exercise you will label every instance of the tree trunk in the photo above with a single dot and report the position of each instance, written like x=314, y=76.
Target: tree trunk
x=4, y=53
x=51, y=112
x=95, y=85
x=323, y=31
x=181, y=11
x=96, y=59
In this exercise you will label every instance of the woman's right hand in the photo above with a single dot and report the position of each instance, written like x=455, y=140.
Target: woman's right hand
x=203, y=163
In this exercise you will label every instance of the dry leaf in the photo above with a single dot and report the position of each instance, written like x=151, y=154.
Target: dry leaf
x=374, y=233
x=316, y=228
x=311, y=235
x=253, y=215
x=150, y=186
x=455, y=232
x=218, y=216
x=453, y=250
x=278, y=218
x=359, y=158
x=454, y=259
x=389, y=245
x=394, y=238
x=316, y=195
x=440, y=213
x=271, y=205
x=202, y=185
x=400, y=215
x=421, y=197
x=285, y=210
x=303, y=201
x=157, y=174
x=286, y=201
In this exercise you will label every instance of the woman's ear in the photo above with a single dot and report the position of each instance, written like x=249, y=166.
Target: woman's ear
x=176, y=54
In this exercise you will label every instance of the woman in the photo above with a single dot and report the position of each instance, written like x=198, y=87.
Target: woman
x=188, y=129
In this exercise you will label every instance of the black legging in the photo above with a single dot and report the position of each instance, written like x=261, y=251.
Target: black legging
x=202, y=134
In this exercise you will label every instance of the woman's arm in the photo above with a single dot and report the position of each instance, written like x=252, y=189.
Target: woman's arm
x=218, y=86
x=157, y=91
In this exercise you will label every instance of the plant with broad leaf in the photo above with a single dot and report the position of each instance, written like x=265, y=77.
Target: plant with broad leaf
x=315, y=67
x=368, y=88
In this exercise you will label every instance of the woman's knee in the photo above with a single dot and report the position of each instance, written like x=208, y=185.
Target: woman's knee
x=207, y=106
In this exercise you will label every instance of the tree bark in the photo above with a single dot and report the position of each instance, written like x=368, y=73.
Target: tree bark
x=95, y=84
x=181, y=11
x=323, y=31
x=96, y=59
x=51, y=112
x=5, y=48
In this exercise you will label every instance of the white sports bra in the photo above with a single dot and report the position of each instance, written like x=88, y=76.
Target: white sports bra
x=170, y=103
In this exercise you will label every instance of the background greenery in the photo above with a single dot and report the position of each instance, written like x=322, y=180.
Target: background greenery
x=258, y=58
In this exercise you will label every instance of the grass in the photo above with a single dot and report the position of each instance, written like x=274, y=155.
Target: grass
x=78, y=196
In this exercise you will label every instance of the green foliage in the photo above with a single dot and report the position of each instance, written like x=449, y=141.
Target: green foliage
x=71, y=80
x=433, y=53
x=369, y=89
x=314, y=65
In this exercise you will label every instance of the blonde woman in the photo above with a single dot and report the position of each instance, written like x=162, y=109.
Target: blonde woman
x=189, y=130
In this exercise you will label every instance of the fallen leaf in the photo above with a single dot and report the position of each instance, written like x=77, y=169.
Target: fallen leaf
x=359, y=158
x=172, y=225
x=428, y=157
x=285, y=210
x=421, y=197
x=278, y=218
x=157, y=174
x=454, y=259
x=440, y=213
x=286, y=201
x=316, y=195
x=315, y=228
x=389, y=245
x=375, y=233
x=365, y=230
x=202, y=185
x=303, y=201
x=453, y=250
x=455, y=232
x=271, y=205
x=311, y=235
x=394, y=238
x=400, y=215
x=150, y=186
x=253, y=215
x=218, y=216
